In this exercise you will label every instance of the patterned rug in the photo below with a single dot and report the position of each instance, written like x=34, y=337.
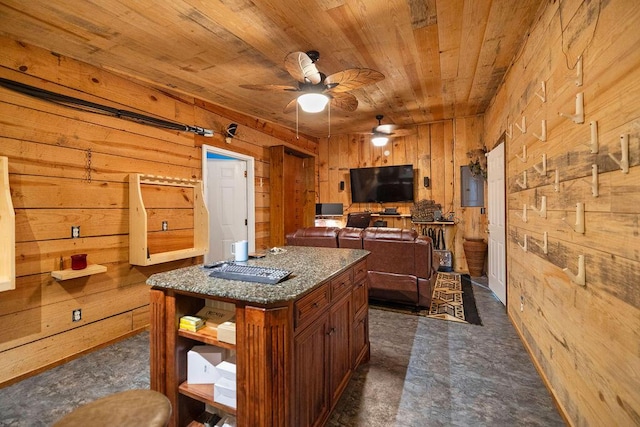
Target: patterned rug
x=453, y=299
x=464, y=300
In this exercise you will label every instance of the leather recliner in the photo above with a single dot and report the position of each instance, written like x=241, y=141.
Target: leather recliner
x=401, y=266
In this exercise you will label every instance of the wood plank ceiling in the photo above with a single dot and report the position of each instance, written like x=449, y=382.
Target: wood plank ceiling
x=441, y=58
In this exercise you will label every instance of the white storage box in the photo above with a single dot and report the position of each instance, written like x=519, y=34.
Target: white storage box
x=201, y=364
x=227, y=332
x=224, y=392
x=227, y=370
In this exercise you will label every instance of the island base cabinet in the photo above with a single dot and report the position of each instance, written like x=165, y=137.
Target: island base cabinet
x=294, y=358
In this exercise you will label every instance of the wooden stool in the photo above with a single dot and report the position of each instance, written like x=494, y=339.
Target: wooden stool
x=128, y=408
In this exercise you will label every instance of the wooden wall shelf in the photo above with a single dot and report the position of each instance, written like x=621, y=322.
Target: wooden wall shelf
x=7, y=231
x=73, y=274
x=138, y=230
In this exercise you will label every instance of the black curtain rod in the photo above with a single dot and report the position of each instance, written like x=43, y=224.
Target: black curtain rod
x=92, y=107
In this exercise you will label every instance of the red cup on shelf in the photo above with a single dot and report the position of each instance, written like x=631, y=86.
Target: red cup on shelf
x=79, y=262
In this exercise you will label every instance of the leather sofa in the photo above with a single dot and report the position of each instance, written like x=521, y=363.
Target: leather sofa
x=324, y=237
x=401, y=266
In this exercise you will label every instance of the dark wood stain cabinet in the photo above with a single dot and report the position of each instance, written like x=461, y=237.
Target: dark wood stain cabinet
x=294, y=359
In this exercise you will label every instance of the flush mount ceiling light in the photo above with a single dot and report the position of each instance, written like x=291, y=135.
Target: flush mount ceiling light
x=379, y=140
x=313, y=102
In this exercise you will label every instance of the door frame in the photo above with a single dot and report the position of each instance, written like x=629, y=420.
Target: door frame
x=251, y=191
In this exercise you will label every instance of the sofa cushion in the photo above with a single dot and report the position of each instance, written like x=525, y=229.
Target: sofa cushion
x=326, y=237
x=350, y=237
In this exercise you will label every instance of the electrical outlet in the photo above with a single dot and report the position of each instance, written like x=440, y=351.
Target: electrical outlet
x=76, y=315
x=75, y=231
x=521, y=302
x=165, y=225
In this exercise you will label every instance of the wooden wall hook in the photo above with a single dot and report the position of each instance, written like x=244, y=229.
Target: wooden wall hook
x=578, y=117
x=545, y=243
x=542, y=168
x=522, y=184
x=624, y=148
x=543, y=207
x=523, y=158
x=523, y=246
x=581, y=277
x=522, y=127
x=543, y=133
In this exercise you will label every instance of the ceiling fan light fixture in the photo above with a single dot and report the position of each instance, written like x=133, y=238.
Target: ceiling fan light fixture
x=379, y=140
x=313, y=102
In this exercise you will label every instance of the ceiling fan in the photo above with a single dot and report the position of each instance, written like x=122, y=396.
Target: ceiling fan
x=380, y=134
x=312, y=84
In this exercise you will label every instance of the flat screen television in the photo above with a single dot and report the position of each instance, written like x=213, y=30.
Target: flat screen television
x=382, y=184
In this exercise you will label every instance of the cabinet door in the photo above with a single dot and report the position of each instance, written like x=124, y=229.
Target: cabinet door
x=311, y=376
x=360, y=338
x=340, y=324
x=360, y=296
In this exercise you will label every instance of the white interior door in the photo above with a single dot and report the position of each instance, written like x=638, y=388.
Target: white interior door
x=229, y=191
x=227, y=203
x=496, y=202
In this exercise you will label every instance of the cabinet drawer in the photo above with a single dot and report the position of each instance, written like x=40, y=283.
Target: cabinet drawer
x=341, y=285
x=310, y=305
x=360, y=271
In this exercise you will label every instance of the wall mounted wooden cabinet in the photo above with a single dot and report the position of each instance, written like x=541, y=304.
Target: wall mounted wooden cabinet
x=7, y=231
x=168, y=219
x=293, y=202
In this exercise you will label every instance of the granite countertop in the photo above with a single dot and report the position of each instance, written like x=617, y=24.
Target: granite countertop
x=309, y=267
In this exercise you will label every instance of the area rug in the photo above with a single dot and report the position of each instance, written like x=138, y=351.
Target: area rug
x=453, y=299
x=468, y=303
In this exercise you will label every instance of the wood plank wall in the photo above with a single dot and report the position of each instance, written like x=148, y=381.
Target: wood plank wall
x=48, y=149
x=436, y=150
x=584, y=339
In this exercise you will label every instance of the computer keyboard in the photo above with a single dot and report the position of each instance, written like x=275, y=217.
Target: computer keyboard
x=249, y=273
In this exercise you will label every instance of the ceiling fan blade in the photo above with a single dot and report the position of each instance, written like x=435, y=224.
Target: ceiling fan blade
x=302, y=68
x=272, y=88
x=352, y=78
x=388, y=129
x=291, y=106
x=344, y=101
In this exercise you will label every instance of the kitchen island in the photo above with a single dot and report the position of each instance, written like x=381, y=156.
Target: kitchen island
x=297, y=342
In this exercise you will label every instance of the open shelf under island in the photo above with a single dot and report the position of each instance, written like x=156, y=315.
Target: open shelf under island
x=297, y=342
